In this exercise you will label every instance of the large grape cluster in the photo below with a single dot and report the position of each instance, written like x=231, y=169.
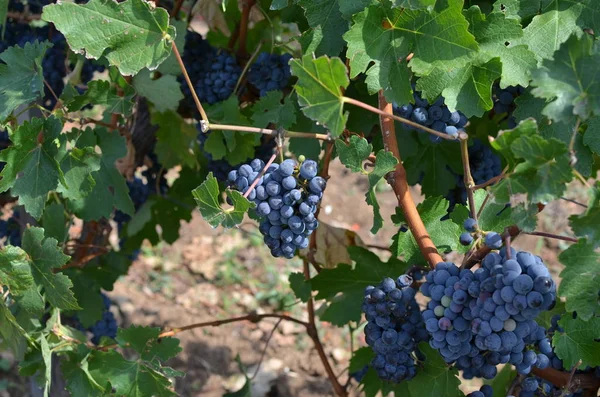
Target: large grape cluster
x=394, y=328
x=106, y=326
x=436, y=116
x=286, y=197
x=221, y=168
x=504, y=101
x=213, y=72
x=270, y=72
x=484, y=165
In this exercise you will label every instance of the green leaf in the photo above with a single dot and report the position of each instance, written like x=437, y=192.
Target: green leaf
x=325, y=17
x=164, y=92
x=495, y=34
x=518, y=9
x=588, y=224
x=436, y=378
x=80, y=381
x=348, y=284
x=178, y=148
x=570, y=83
x=360, y=358
x=270, y=109
x=556, y=22
x=524, y=216
x=110, y=190
x=47, y=357
x=353, y=154
x=44, y=255
x=132, y=35
x=15, y=272
x=415, y=4
x=444, y=234
x=493, y=217
x=31, y=159
x=55, y=222
x=145, y=341
x=319, y=87
x=300, y=286
x=102, y=92
x=580, y=279
x=12, y=333
x=21, y=79
x=469, y=87
x=382, y=37
x=578, y=341
x=128, y=378
x=207, y=198
x=77, y=167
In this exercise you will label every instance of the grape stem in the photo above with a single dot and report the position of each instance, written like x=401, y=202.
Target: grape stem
x=264, y=351
x=268, y=131
x=490, y=181
x=397, y=179
x=256, y=180
x=390, y=114
x=468, y=178
x=550, y=235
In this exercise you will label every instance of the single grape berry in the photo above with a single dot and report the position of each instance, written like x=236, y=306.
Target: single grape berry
x=493, y=240
x=470, y=225
x=466, y=238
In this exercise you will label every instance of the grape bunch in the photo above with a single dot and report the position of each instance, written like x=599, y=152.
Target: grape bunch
x=221, y=168
x=286, y=197
x=484, y=165
x=504, y=101
x=213, y=72
x=394, y=328
x=492, y=239
x=106, y=326
x=436, y=116
x=270, y=72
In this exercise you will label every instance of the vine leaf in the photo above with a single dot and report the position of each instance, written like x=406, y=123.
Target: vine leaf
x=348, y=284
x=328, y=26
x=145, y=341
x=580, y=279
x=571, y=81
x=541, y=166
x=109, y=189
x=444, y=234
x=80, y=381
x=31, y=170
x=383, y=36
x=578, y=341
x=492, y=217
x=551, y=27
x=55, y=222
x=270, y=109
x=44, y=255
x=174, y=149
x=436, y=378
x=300, y=286
x=207, y=198
x=353, y=155
x=320, y=88
x=15, y=272
x=132, y=35
x=102, y=92
x=77, y=165
x=588, y=224
x=12, y=332
x=21, y=78
x=518, y=9
x=164, y=92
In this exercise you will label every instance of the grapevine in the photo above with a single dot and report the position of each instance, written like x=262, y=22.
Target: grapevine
x=123, y=121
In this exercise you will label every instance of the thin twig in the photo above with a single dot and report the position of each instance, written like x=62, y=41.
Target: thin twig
x=507, y=241
x=574, y=202
x=397, y=179
x=516, y=381
x=189, y=82
x=570, y=383
x=468, y=178
x=264, y=351
x=485, y=201
x=268, y=131
x=262, y=172
x=246, y=67
x=490, y=181
x=554, y=236
x=389, y=113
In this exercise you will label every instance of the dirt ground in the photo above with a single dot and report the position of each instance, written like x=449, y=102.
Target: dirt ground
x=213, y=274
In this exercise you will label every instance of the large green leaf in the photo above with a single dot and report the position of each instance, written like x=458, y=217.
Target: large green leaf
x=132, y=34
x=175, y=149
x=588, y=223
x=578, y=341
x=328, y=26
x=571, y=81
x=164, y=92
x=347, y=284
x=436, y=378
x=580, y=279
x=31, y=170
x=270, y=109
x=102, y=92
x=320, y=88
x=21, y=79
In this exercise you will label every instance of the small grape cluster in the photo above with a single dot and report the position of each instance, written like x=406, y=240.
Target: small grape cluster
x=394, y=328
x=270, y=72
x=504, y=101
x=106, y=326
x=484, y=391
x=484, y=165
x=492, y=239
x=436, y=116
x=286, y=197
x=213, y=72
x=221, y=168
